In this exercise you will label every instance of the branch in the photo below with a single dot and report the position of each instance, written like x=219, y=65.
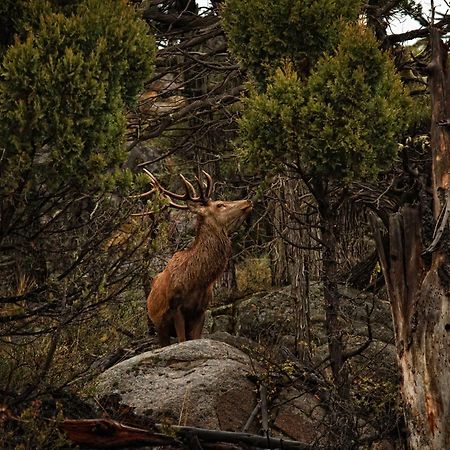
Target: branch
x=264, y=412
x=365, y=345
x=441, y=223
x=388, y=7
x=414, y=34
x=211, y=102
x=109, y=433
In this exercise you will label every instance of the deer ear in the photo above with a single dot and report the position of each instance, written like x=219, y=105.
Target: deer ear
x=196, y=208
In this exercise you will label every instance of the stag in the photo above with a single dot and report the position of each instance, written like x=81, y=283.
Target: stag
x=180, y=294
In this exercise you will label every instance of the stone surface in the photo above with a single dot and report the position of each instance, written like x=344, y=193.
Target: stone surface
x=211, y=383
x=266, y=316
x=298, y=416
x=269, y=318
x=203, y=383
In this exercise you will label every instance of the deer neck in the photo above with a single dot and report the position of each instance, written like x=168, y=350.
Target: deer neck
x=212, y=248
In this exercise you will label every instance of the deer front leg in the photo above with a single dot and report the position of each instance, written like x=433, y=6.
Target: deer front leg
x=180, y=328
x=163, y=336
x=197, y=327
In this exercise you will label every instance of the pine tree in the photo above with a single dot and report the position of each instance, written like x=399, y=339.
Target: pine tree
x=327, y=105
x=64, y=88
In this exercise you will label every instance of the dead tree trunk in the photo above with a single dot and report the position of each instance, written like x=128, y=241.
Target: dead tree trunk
x=107, y=433
x=419, y=287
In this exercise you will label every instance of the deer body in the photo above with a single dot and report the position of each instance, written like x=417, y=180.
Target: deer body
x=181, y=293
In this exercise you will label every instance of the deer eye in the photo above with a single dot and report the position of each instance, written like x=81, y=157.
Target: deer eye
x=220, y=205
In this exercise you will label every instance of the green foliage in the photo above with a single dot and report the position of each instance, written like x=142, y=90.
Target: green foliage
x=18, y=17
x=343, y=123
x=269, y=124
x=262, y=33
x=63, y=90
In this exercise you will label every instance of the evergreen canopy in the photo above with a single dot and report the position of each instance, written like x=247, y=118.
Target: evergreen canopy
x=342, y=119
x=63, y=91
x=262, y=33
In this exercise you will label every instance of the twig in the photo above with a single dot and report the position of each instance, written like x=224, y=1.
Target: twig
x=251, y=418
x=264, y=413
x=440, y=225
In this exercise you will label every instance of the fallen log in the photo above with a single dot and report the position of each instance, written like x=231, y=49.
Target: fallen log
x=107, y=433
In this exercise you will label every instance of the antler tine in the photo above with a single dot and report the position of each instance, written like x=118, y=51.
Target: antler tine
x=209, y=184
x=189, y=194
x=144, y=194
x=156, y=183
x=169, y=194
x=205, y=190
x=176, y=205
x=190, y=191
x=201, y=189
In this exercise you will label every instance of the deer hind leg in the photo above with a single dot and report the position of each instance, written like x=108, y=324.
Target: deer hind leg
x=180, y=326
x=197, y=327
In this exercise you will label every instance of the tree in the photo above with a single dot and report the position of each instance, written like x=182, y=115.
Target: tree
x=63, y=93
x=69, y=70
x=339, y=144
x=337, y=121
x=415, y=263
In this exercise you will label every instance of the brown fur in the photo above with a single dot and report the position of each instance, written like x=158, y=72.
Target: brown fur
x=182, y=291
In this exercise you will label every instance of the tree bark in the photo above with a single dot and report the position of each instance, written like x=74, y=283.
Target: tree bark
x=333, y=300
x=301, y=262
x=419, y=302
x=279, y=252
x=419, y=286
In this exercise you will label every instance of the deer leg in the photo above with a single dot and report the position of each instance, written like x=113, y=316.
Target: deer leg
x=151, y=330
x=197, y=327
x=163, y=336
x=178, y=320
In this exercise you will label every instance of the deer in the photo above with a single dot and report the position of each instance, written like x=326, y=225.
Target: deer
x=181, y=293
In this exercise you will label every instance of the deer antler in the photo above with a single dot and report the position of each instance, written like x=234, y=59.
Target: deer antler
x=189, y=194
x=205, y=195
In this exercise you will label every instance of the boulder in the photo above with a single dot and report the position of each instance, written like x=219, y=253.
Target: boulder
x=201, y=383
x=266, y=316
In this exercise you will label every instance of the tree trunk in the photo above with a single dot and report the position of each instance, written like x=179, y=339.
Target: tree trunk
x=341, y=416
x=333, y=300
x=419, y=301
x=279, y=258
x=226, y=286
x=301, y=259
x=419, y=287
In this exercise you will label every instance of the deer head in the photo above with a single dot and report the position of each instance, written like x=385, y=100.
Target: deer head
x=219, y=214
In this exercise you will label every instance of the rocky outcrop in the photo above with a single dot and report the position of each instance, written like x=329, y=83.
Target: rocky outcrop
x=215, y=383
x=269, y=317
x=203, y=383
